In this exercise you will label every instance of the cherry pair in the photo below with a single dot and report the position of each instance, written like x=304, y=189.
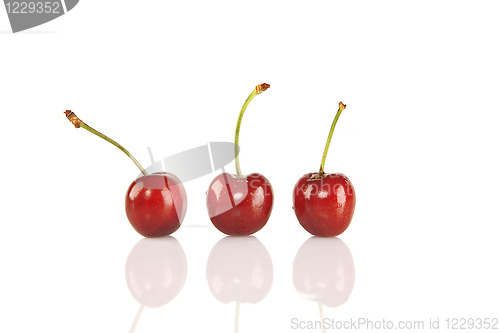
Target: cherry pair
x=237, y=205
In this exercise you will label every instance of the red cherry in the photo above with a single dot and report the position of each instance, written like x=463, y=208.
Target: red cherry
x=156, y=204
x=324, y=203
x=239, y=206
x=324, y=206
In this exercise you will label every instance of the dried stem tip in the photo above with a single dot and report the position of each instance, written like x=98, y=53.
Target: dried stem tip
x=73, y=118
x=262, y=87
x=342, y=105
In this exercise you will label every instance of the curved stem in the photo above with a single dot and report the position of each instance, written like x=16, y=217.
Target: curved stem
x=342, y=106
x=78, y=123
x=258, y=90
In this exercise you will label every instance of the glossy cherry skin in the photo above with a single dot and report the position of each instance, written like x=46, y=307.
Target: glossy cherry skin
x=156, y=204
x=324, y=206
x=239, y=206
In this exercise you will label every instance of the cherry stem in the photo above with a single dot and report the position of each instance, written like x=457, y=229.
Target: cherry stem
x=342, y=106
x=78, y=123
x=258, y=90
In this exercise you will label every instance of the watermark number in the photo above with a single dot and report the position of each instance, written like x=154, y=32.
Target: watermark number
x=32, y=7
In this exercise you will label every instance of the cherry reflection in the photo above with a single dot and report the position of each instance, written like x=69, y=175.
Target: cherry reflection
x=240, y=270
x=155, y=272
x=323, y=272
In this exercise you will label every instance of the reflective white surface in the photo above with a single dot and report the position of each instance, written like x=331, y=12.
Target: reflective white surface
x=199, y=279
x=418, y=139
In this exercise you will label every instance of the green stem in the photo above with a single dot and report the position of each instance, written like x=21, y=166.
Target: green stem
x=116, y=144
x=258, y=90
x=342, y=106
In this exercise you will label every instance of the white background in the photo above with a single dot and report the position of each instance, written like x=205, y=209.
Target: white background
x=418, y=139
